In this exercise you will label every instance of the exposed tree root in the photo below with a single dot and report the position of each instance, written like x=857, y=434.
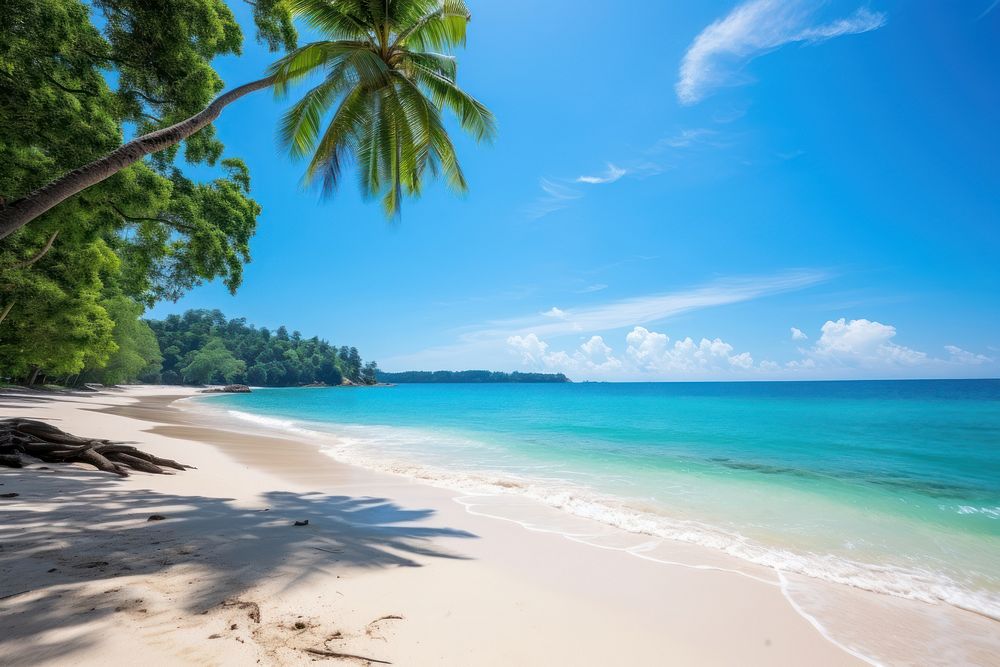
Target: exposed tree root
x=20, y=438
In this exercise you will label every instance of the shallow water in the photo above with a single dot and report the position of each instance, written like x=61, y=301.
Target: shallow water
x=891, y=486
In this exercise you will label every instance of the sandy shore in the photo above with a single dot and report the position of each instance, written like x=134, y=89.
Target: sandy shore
x=387, y=569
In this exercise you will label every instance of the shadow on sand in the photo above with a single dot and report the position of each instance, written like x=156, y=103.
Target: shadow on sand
x=72, y=526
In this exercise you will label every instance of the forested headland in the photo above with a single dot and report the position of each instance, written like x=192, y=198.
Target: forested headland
x=468, y=377
x=203, y=347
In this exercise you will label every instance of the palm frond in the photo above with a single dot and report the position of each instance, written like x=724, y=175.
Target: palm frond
x=472, y=114
x=387, y=79
x=440, y=29
x=339, y=19
x=305, y=60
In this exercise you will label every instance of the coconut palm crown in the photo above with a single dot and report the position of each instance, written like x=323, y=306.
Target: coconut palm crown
x=387, y=75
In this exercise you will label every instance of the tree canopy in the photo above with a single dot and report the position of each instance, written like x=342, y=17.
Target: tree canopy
x=75, y=79
x=201, y=347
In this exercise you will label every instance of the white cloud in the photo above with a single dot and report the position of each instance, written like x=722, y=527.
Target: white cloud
x=751, y=29
x=596, y=287
x=798, y=334
x=863, y=342
x=556, y=313
x=531, y=349
x=611, y=174
x=959, y=356
x=651, y=352
x=489, y=343
x=593, y=357
x=646, y=346
x=596, y=348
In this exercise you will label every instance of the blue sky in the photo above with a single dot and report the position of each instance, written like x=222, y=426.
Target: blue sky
x=688, y=190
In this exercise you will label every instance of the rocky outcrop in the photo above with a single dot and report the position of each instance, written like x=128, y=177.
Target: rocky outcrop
x=228, y=389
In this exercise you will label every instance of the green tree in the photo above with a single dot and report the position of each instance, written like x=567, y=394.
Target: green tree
x=137, y=353
x=55, y=323
x=380, y=71
x=58, y=110
x=212, y=363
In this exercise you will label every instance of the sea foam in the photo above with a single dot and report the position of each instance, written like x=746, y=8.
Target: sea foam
x=385, y=449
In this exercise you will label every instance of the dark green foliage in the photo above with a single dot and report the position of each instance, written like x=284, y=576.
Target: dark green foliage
x=137, y=354
x=200, y=345
x=213, y=363
x=77, y=77
x=471, y=377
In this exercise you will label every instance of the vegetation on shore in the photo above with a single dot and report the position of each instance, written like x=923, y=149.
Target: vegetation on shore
x=469, y=377
x=93, y=231
x=203, y=347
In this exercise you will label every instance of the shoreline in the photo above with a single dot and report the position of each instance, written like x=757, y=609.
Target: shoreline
x=347, y=443
x=471, y=587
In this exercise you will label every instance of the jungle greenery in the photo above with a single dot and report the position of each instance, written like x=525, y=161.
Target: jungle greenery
x=77, y=77
x=203, y=347
x=469, y=377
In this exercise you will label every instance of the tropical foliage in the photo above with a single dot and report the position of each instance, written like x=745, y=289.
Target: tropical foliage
x=386, y=73
x=202, y=346
x=78, y=77
x=75, y=78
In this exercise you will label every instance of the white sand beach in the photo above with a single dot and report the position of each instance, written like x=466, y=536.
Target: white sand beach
x=388, y=570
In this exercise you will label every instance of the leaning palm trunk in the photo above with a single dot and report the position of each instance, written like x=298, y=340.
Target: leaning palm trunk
x=22, y=211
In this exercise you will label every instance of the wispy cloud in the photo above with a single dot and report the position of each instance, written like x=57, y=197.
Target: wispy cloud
x=649, y=308
x=489, y=341
x=558, y=194
x=687, y=138
x=990, y=8
x=610, y=175
x=555, y=197
x=751, y=29
x=596, y=287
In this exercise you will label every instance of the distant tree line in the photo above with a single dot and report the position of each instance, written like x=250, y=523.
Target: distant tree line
x=203, y=347
x=468, y=377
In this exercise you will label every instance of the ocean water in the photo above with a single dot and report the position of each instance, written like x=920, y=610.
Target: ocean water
x=892, y=486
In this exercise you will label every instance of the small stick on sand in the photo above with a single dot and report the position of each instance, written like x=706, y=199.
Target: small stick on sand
x=349, y=656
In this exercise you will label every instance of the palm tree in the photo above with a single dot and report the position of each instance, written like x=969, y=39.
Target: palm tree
x=382, y=70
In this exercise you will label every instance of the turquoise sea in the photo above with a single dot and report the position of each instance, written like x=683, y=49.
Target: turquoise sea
x=893, y=486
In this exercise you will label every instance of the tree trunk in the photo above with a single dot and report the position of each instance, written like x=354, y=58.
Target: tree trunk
x=22, y=211
x=34, y=375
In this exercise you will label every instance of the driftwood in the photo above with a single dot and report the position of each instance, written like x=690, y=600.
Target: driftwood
x=22, y=438
x=348, y=656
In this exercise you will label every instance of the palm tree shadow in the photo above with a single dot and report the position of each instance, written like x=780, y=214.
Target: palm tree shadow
x=77, y=526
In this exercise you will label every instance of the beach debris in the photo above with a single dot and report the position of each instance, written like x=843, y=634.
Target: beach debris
x=346, y=656
x=252, y=608
x=24, y=439
x=374, y=625
x=329, y=551
x=301, y=523
x=156, y=517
